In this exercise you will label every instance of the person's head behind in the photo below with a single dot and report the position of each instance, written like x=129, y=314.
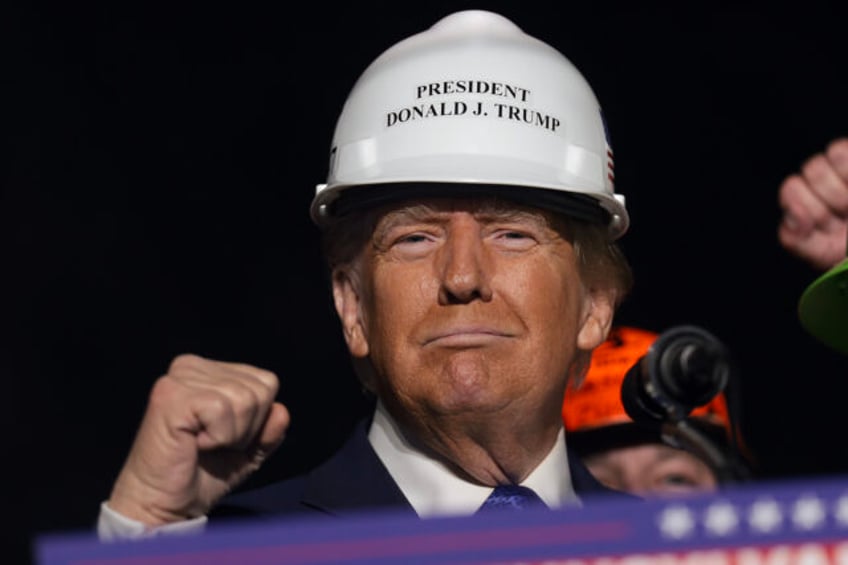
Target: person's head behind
x=629, y=456
x=469, y=223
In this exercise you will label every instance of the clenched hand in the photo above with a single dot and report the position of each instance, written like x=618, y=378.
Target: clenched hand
x=208, y=425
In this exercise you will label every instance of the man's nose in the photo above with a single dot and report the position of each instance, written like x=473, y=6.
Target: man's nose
x=466, y=270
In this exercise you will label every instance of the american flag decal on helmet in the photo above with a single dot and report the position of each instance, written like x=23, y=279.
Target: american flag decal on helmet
x=610, y=163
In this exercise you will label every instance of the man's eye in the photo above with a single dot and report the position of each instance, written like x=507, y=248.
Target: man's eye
x=513, y=239
x=412, y=238
x=680, y=480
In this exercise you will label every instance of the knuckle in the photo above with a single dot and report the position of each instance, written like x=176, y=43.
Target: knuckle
x=218, y=405
x=815, y=168
x=268, y=378
x=790, y=187
x=243, y=397
x=265, y=377
x=837, y=147
x=184, y=362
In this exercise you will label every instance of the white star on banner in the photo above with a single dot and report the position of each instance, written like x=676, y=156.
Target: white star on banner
x=808, y=513
x=676, y=522
x=840, y=511
x=765, y=516
x=721, y=518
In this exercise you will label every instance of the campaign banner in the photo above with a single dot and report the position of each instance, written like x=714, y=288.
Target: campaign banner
x=769, y=523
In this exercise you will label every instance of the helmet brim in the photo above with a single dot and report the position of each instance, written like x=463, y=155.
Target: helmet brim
x=573, y=205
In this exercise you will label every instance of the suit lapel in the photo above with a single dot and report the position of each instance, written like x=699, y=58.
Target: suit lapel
x=353, y=480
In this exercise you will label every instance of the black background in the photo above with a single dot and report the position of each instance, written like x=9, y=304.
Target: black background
x=159, y=162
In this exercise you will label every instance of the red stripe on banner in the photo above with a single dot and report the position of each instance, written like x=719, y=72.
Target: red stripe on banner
x=812, y=552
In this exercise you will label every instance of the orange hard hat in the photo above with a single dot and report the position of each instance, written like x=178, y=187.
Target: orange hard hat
x=597, y=402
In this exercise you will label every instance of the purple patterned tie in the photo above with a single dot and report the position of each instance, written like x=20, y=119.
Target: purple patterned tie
x=512, y=497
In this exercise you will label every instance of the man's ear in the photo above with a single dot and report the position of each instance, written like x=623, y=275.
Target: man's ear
x=348, y=300
x=596, y=321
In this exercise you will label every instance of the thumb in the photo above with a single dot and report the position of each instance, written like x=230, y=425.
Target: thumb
x=274, y=430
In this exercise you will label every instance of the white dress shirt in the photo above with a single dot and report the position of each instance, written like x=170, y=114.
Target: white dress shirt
x=433, y=490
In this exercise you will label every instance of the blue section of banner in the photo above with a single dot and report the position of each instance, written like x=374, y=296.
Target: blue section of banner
x=764, y=514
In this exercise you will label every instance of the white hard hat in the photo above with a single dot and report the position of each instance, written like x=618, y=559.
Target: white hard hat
x=473, y=101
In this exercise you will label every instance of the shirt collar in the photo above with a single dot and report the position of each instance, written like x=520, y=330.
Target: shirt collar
x=433, y=490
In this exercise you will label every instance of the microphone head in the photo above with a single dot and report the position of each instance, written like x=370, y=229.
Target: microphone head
x=686, y=367
x=693, y=368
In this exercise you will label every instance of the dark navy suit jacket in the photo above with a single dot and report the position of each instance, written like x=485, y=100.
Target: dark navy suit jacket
x=353, y=481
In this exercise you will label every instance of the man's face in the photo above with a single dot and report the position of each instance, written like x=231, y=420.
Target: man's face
x=468, y=308
x=652, y=469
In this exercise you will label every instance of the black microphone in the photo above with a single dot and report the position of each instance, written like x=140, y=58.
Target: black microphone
x=684, y=368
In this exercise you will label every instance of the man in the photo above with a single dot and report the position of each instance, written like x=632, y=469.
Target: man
x=634, y=457
x=469, y=220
